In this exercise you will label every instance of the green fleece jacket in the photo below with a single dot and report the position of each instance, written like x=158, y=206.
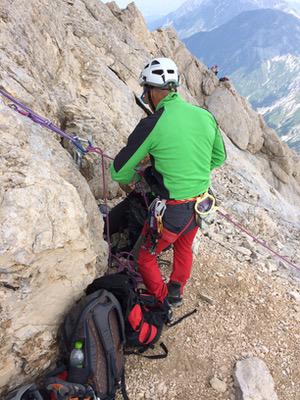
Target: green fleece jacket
x=184, y=144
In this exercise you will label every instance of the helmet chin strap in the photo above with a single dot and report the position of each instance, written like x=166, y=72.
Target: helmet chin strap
x=152, y=106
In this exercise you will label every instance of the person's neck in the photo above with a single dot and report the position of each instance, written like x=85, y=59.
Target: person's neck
x=159, y=96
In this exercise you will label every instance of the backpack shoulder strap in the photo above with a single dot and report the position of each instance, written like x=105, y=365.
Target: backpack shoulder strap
x=106, y=304
x=115, y=304
x=26, y=389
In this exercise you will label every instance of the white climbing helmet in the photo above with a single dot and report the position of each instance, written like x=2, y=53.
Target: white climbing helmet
x=161, y=73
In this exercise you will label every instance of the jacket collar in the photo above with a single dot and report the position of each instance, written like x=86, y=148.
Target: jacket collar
x=171, y=97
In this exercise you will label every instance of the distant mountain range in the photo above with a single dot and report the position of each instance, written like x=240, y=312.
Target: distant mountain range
x=255, y=44
x=248, y=40
x=204, y=15
x=260, y=51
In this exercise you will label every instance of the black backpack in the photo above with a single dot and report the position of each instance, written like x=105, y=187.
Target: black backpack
x=144, y=316
x=96, y=322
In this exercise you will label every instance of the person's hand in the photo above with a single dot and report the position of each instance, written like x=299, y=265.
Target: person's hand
x=128, y=188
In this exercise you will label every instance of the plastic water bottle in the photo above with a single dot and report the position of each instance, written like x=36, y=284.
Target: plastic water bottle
x=77, y=355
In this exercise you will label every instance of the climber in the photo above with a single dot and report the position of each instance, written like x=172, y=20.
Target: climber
x=214, y=69
x=184, y=145
x=224, y=79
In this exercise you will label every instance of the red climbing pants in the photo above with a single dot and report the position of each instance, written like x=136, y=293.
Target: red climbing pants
x=182, y=261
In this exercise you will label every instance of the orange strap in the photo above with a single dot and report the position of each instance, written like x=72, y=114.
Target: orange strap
x=174, y=202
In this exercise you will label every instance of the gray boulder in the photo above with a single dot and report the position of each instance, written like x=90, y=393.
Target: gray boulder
x=253, y=380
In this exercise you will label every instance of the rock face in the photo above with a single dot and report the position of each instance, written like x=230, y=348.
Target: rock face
x=254, y=381
x=50, y=239
x=235, y=117
x=77, y=62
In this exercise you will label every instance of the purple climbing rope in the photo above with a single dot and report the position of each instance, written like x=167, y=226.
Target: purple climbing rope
x=38, y=119
x=255, y=239
x=27, y=112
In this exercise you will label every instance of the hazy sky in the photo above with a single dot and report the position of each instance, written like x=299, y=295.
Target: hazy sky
x=160, y=7
x=152, y=7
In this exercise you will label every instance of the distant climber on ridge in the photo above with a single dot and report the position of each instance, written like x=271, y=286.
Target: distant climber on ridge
x=184, y=145
x=215, y=69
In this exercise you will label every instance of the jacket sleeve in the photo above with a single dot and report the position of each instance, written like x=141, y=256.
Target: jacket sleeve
x=219, y=154
x=138, y=146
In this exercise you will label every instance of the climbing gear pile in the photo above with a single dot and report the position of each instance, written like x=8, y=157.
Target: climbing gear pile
x=62, y=390
x=144, y=316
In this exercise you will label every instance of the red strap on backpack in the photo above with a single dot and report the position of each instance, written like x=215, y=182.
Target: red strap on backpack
x=146, y=331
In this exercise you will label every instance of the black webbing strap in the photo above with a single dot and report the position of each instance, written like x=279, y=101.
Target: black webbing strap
x=123, y=387
x=37, y=395
x=142, y=105
x=153, y=357
x=182, y=318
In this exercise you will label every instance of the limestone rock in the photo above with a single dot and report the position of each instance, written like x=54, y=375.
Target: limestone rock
x=284, y=162
x=222, y=104
x=279, y=172
x=296, y=168
x=50, y=239
x=236, y=119
x=209, y=84
x=133, y=19
x=253, y=380
x=295, y=296
x=218, y=384
x=272, y=143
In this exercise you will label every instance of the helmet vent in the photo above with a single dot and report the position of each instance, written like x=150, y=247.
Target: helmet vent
x=171, y=71
x=158, y=72
x=155, y=62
